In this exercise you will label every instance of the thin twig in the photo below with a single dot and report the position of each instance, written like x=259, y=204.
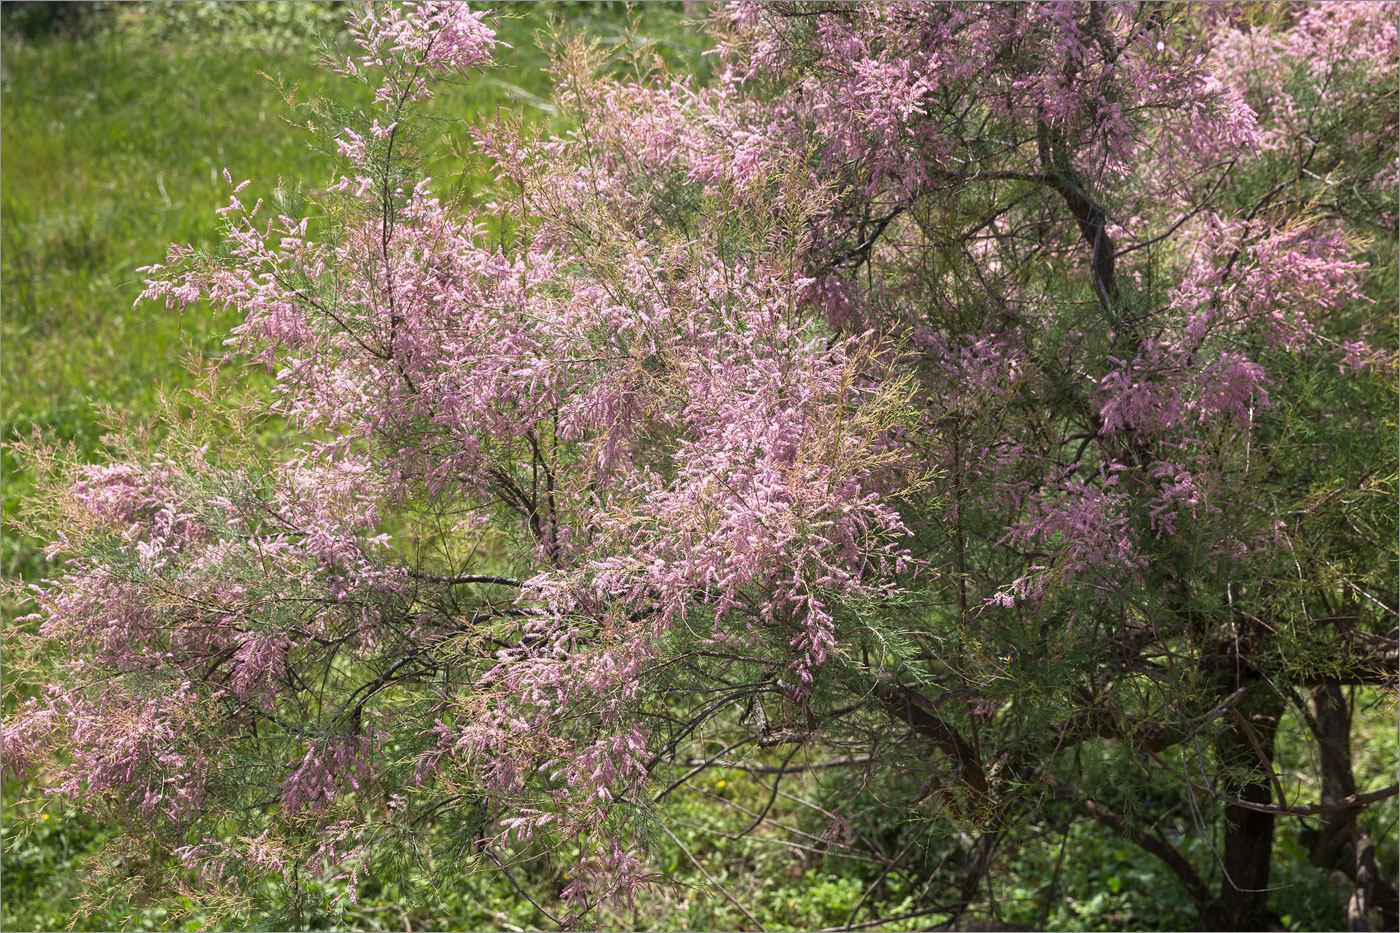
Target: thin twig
x=710, y=878
x=701, y=766
x=778, y=779
x=466, y=578
x=511, y=878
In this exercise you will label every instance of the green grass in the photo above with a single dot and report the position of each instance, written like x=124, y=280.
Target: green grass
x=112, y=150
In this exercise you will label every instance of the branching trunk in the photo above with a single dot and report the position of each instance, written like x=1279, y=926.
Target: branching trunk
x=910, y=707
x=1246, y=751
x=1343, y=843
x=1148, y=842
x=1089, y=215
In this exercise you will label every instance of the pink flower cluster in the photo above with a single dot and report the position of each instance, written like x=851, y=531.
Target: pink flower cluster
x=417, y=43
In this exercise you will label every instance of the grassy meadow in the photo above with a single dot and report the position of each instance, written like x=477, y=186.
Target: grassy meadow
x=118, y=122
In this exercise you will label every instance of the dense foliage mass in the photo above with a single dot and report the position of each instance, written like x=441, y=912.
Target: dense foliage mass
x=989, y=408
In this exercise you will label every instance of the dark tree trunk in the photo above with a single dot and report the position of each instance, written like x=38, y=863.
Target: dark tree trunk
x=1343, y=843
x=1246, y=751
x=1332, y=728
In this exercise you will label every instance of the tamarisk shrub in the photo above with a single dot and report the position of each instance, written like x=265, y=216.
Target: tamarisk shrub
x=992, y=405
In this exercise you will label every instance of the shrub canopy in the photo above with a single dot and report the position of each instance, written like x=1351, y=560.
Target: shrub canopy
x=990, y=404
